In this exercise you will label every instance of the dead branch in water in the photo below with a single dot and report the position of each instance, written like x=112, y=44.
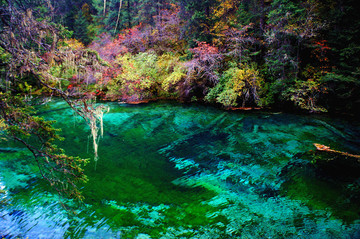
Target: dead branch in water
x=321, y=147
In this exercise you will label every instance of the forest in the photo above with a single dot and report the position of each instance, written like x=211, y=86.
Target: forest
x=300, y=57
x=294, y=55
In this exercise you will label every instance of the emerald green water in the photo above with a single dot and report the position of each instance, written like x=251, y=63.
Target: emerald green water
x=168, y=170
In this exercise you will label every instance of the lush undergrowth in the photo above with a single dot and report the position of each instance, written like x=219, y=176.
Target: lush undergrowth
x=290, y=55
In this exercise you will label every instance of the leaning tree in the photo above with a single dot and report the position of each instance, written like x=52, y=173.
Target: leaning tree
x=28, y=49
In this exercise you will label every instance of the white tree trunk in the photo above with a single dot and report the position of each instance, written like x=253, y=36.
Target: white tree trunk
x=118, y=17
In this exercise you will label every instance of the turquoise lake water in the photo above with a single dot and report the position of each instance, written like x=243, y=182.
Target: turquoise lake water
x=169, y=170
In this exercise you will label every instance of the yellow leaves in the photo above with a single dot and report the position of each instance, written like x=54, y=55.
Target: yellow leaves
x=3, y=126
x=72, y=44
x=224, y=7
x=86, y=11
x=220, y=28
x=173, y=79
x=171, y=72
x=245, y=77
x=224, y=13
x=237, y=84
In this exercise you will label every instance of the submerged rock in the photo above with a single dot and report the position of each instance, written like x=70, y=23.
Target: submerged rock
x=179, y=171
x=322, y=184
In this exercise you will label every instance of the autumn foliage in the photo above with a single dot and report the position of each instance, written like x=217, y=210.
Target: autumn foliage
x=247, y=53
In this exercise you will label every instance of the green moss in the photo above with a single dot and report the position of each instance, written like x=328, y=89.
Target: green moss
x=322, y=195
x=118, y=217
x=98, y=58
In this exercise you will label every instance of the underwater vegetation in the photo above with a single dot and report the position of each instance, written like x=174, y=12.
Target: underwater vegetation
x=169, y=170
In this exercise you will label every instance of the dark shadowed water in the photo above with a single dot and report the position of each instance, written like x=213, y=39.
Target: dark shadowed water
x=168, y=170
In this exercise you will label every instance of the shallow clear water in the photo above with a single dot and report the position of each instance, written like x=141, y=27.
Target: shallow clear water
x=168, y=170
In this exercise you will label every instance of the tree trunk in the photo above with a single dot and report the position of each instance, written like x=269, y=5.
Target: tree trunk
x=118, y=17
x=129, y=17
x=262, y=16
x=297, y=59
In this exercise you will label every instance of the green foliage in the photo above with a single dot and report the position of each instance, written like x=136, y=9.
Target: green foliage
x=250, y=12
x=64, y=32
x=342, y=92
x=33, y=63
x=342, y=35
x=146, y=75
x=4, y=56
x=291, y=24
x=82, y=29
x=200, y=21
x=280, y=36
x=63, y=71
x=5, y=59
x=286, y=12
x=107, y=19
x=19, y=123
x=305, y=95
x=171, y=72
x=138, y=79
x=237, y=84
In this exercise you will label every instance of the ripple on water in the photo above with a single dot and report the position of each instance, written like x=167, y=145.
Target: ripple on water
x=171, y=171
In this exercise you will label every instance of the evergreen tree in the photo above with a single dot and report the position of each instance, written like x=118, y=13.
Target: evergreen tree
x=81, y=28
x=200, y=20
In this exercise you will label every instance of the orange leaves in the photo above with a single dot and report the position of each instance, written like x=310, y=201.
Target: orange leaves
x=322, y=44
x=320, y=53
x=321, y=50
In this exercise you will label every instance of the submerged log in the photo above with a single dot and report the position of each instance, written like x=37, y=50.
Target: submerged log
x=244, y=108
x=321, y=147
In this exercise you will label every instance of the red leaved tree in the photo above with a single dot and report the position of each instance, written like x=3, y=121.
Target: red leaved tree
x=202, y=70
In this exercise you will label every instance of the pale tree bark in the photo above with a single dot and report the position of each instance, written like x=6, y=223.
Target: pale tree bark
x=118, y=17
x=104, y=7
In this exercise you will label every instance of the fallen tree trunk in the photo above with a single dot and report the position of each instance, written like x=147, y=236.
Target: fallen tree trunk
x=321, y=147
